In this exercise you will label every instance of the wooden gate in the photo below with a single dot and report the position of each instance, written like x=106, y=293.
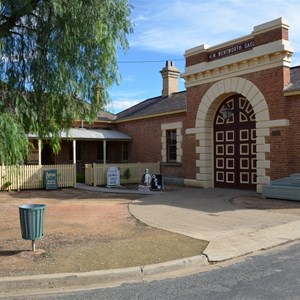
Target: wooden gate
x=235, y=145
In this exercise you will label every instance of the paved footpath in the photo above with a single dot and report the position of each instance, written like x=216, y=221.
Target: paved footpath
x=208, y=214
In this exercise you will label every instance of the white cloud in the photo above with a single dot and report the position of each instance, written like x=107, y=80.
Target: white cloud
x=174, y=26
x=128, y=95
x=128, y=79
x=122, y=100
x=119, y=105
x=170, y=27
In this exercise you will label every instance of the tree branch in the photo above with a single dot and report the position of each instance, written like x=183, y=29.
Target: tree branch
x=16, y=15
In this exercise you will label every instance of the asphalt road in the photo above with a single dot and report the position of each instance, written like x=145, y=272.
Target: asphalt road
x=271, y=275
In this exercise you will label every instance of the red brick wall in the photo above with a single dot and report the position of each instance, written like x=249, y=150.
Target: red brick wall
x=271, y=36
x=271, y=83
x=63, y=156
x=194, y=97
x=284, y=148
x=189, y=157
x=293, y=147
x=259, y=39
x=146, y=143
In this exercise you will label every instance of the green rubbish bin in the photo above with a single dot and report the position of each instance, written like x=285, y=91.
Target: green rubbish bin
x=32, y=221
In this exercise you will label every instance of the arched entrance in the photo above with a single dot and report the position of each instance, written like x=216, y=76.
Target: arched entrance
x=204, y=124
x=235, y=145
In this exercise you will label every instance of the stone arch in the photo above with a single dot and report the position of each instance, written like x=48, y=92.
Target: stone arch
x=204, y=127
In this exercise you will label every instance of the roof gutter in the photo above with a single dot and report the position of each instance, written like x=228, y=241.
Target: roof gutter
x=291, y=93
x=150, y=116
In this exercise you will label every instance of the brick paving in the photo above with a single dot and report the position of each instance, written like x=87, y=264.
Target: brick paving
x=208, y=214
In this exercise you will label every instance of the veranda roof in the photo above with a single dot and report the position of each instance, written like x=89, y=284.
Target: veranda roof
x=92, y=134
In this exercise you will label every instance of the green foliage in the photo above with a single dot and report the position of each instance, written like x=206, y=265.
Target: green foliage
x=58, y=58
x=14, y=143
x=80, y=178
x=6, y=185
x=126, y=173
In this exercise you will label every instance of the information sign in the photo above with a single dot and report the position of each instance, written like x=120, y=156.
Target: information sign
x=50, y=179
x=113, y=177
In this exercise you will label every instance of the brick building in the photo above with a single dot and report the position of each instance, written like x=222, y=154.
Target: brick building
x=237, y=125
x=250, y=80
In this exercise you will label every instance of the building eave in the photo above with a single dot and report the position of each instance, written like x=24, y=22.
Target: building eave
x=291, y=93
x=90, y=135
x=150, y=116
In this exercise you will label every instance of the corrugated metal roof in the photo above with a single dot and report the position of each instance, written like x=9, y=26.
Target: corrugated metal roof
x=93, y=134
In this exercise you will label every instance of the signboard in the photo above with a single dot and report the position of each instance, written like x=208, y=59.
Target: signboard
x=235, y=49
x=113, y=177
x=157, y=182
x=50, y=179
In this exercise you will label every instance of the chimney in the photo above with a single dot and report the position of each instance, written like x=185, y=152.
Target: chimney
x=170, y=75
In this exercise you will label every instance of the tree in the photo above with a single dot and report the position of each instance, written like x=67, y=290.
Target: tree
x=58, y=57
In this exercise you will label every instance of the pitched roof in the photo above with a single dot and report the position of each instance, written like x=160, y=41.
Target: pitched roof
x=92, y=134
x=155, y=106
x=295, y=80
x=105, y=116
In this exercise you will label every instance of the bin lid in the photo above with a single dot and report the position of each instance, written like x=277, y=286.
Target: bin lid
x=33, y=206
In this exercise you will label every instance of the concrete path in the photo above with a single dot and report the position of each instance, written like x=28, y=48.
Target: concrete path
x=117, y=190
x=208, y=214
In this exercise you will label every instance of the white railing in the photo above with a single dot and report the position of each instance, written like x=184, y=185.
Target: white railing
x=95, y=174
x=32, y=176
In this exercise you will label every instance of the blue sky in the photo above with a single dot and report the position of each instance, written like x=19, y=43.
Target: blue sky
x=164, y=29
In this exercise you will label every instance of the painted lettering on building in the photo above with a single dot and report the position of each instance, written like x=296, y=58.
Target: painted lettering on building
x=245, y=46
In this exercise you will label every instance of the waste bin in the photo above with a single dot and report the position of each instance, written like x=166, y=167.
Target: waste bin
x=32, y=221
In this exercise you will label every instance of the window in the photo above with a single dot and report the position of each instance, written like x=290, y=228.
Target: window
x=125, y=152
x=171, y=145
x=171, y=142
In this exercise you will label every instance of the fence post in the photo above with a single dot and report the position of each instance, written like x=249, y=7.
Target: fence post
x=1, y=178
x=74, y=174
x=139, y=168
x=18, y=178
x=94, y=175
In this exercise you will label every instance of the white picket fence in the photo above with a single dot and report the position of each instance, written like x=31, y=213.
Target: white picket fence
x=95, y=174
x=26, y=177
x=32, y=176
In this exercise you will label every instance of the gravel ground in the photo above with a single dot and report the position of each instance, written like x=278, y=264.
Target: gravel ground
x=84, y=231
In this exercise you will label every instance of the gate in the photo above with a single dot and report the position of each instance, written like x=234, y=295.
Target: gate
x=235, y=145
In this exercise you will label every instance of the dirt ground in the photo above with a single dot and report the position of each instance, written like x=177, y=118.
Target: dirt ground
x=84, y=231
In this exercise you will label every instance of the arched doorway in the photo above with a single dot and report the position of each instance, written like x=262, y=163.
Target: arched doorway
x=235, y=145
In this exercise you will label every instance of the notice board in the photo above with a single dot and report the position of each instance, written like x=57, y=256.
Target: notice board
x=113, y=177
x=50, y=179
